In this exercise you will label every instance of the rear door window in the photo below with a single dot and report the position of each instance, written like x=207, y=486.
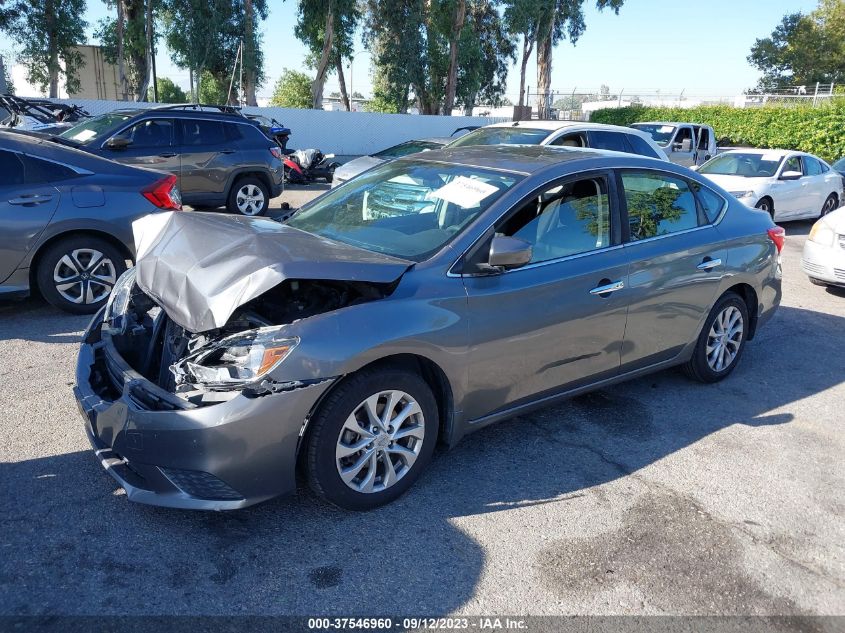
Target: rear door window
x=812, y=167
x=203, y=132
x=602, y=139
x=658, y=204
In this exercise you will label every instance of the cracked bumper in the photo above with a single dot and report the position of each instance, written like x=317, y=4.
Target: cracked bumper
x=217, y=457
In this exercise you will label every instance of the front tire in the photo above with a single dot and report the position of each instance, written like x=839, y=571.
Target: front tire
x=721, y=342
x=249, y=196
x=77, y=274
x=371, y=438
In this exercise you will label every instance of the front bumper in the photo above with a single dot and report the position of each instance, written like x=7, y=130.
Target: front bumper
x=825, y=263
x=169, y=453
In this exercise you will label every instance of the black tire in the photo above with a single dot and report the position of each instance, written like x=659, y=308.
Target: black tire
x=830, y=204
x=325, y=429
x=93, y=279
x=249, y=186
x=698, y=367
x=766, y=204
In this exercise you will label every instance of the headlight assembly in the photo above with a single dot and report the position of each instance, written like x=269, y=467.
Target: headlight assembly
x=237, y=360
x=822, y=234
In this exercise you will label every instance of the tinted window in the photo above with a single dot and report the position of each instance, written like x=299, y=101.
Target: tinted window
x=11, y=169
x=502, y=136
x=405, y=149
x=812, y=167
x=711, y=202
x=570, y=140
x=563, y=220
x=38, y=170
x=641, y=147
x=200, y=132
x=609, y=140
x=658, y=204
x=150, y=133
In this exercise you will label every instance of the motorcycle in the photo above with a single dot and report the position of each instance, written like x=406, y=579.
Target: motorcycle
x=303, y=166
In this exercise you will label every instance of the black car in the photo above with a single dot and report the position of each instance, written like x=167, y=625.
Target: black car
x=218, y=155
x=66, y=219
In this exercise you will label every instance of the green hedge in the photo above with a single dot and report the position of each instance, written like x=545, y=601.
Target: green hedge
x=819, y=131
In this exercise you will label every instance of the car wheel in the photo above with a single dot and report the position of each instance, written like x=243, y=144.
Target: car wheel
x=829, y=205
x=371, y=438
x=249, y=196
x=767, y=205
x=76, y=274
x=721, y=342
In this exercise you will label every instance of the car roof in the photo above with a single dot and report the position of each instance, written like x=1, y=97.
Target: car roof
x=673, y=123
x=554, y=126
x=522, y=159
x=779, y=152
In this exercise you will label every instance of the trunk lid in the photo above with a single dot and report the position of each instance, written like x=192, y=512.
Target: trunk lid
x=200, y=267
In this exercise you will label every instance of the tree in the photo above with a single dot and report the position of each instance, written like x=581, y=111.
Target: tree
x=803, y=49
x=522, y=16
x=49, y=31
x=127, y=43
x=292, y=90
x=168, y=92
x=327, y=28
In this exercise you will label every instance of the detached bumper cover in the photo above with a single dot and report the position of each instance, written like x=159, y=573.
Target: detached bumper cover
x=218, y=457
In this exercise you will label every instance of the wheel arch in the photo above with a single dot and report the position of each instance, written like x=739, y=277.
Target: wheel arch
x=749, y=296
x=247, y=172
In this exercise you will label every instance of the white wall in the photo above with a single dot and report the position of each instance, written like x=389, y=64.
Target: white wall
x=341, y=133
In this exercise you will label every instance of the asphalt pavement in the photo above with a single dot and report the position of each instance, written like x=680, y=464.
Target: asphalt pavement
x=659, y=496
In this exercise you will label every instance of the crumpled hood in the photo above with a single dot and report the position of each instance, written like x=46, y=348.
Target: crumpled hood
x=200, y=267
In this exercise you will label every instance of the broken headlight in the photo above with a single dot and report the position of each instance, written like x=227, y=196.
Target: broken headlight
x=236, y=360
x=119, y=299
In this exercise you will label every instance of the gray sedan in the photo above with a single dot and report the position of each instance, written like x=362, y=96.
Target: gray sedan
x=66, y=220
x=423, y=300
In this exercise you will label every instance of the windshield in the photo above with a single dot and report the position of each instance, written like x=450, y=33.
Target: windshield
x=661, y=134
x=404, y=149
x=93, y=128
x=502, y=136
x=740, y=164
x=406, y=208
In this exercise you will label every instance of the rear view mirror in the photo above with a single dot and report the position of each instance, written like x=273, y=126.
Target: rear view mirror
x=509, y=252
x=118, y=142
x=791, y=175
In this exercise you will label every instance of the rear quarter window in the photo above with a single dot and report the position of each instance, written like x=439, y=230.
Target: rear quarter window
x=641, y=146
x=711, y=202
x=38, y=170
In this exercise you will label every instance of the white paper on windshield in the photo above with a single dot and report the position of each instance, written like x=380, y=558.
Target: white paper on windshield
x=464, y=192
x=771, y=157
x=84, y=135
x=666, y=128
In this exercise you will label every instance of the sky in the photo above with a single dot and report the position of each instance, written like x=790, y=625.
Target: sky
x=669, y=46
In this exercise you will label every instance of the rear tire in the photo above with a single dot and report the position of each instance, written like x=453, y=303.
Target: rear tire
x=767, y=204
x=830, y=204
x=721, y=341
x=77, y=273
x=379, y=462
x=249, y=196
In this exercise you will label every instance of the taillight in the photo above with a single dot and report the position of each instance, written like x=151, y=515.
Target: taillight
x=276, y=151
x=164, y=193
x=778, y=236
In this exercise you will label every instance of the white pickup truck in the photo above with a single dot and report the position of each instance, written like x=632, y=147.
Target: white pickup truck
x=684, y=143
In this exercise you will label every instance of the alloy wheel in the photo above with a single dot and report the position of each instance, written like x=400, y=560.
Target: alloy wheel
x=380, y=441
x=84, y=276
x=829, y=205
x=724, y=339
x=250, y=200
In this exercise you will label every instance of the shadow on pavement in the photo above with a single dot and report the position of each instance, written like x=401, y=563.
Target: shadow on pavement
x=73, y=544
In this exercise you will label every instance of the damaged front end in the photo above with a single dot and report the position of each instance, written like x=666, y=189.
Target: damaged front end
x=215, y=365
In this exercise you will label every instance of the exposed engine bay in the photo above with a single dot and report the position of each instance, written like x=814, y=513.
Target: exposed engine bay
x=215, y=365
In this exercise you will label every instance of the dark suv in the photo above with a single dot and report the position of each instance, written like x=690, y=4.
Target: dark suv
x=220, y=157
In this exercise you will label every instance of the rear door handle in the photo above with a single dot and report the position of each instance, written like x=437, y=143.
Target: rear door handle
x=167, y=154
x=607, y=288
x=227, y=151
x=709, y=264
x=28, y=200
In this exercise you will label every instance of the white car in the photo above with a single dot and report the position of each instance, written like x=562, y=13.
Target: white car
x=789, y=185
x=566, y=133
x=824, y=250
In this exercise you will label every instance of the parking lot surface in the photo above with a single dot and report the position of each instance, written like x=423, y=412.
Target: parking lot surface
x=656, y=496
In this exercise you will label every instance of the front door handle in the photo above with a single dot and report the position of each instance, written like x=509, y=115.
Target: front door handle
x=167, y=154
x=28, y=200
x=709, y=264
x=607, y=288
x=227, y=151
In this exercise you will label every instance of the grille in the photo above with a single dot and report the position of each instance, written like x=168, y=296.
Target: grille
x=813, y=268
x=201, y=485
x=840, y=273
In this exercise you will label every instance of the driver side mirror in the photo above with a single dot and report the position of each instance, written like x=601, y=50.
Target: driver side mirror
x=509, y=252
x=118, y=142
x=686, y=145
x=791, y=175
